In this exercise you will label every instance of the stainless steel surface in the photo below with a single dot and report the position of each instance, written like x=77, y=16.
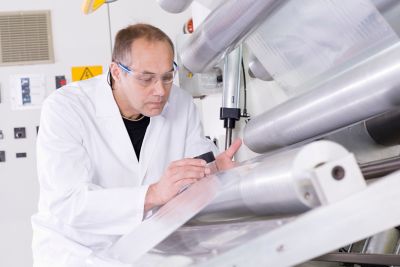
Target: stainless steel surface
x=390, y=10
x=385, y=129
x=228, y=137
x=382, y=243
x=365, y=149
x=370, y=259
x=174, y=6
x=321, y=230
x=369, y=88
x=380, y=168
x=306, y=42
x=271, y=185
x=257, y=70
x=232, y=79
x=223, y=29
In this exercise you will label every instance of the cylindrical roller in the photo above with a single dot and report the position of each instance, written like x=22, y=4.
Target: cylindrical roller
x=385, y=129
x=368, y=89
x=222, y=30
x=382, y=243
x=269, y=185
x=380, y=168
x=257, y=70
x=174, y=6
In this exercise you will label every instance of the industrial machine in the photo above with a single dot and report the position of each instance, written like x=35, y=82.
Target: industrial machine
x=325, y=184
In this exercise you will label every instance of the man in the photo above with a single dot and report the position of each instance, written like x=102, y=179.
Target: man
x=111, y=151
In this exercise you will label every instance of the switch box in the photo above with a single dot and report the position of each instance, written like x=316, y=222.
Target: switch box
x=19, y=133
x=2, y=156
x=60, y=81
x=21, y=155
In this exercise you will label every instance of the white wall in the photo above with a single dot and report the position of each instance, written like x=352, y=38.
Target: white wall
x=78, y=40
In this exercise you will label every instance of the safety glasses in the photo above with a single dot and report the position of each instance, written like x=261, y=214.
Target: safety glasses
x=147, y=79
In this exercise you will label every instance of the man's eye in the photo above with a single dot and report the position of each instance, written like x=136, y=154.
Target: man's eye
x=145, y=78
x=167, y=77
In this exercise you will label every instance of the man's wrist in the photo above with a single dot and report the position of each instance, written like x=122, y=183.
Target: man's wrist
x=151, y=198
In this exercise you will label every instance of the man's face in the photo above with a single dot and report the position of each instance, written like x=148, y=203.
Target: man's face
x=145, y=89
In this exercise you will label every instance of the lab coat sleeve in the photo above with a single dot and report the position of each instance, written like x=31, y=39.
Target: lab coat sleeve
x=66, y=178
x=196, y=142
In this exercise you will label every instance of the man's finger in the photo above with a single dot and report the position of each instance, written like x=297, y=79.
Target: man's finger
x=231, y=151
x=189, y=161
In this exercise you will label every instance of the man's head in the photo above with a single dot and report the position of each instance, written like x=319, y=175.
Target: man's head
x=142, y=70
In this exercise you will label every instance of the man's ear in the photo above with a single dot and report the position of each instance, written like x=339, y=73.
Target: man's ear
x=115, y=71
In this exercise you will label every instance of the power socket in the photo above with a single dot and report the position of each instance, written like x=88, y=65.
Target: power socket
x=19, y=133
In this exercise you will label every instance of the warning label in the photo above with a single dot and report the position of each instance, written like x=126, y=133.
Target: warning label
x=85, y=72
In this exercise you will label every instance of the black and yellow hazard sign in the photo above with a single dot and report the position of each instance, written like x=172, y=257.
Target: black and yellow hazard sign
x=85, y=72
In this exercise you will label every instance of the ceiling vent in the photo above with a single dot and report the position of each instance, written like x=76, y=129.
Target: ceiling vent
x=25, y=38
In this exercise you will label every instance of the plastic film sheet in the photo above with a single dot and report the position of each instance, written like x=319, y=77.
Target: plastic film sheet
x=307, y=41
x=238, y=204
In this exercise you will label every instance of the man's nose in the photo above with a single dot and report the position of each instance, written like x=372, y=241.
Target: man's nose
x=159, y=88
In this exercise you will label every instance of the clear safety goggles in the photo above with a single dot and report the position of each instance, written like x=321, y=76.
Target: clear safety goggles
x=146, y=79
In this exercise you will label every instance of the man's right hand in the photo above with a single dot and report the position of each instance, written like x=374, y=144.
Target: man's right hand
x=178, y=175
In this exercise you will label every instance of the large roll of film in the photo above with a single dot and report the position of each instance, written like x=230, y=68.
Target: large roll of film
x=368, y=89
x=270, y=185
x=223, y=30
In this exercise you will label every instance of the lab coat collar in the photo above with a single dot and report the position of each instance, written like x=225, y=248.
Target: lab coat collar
x=105, y=102
x=108, y=112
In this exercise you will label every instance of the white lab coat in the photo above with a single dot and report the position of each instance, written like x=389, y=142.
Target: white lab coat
x=92, y=187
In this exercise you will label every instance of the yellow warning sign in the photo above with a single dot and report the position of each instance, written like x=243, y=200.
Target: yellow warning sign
x=85, y=72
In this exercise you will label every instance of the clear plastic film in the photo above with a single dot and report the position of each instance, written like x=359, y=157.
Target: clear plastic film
x=308, y=41
x=235, y=206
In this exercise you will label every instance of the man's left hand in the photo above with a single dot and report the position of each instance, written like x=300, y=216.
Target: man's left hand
x=224, y=160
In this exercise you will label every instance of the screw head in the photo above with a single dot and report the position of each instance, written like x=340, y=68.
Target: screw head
x=338, y=173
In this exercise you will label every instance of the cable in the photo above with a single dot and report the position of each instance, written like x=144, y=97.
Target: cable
x=244, y=114
x=109, y=24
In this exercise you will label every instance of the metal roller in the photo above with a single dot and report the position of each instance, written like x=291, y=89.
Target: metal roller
x=268, y=185
x=368, y=89
x=257, y=70
x=174, y=6
x=385, y=129
x=222, y=30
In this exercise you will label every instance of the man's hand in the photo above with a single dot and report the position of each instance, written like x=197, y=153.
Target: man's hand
x=178, y=175
x=224, y=160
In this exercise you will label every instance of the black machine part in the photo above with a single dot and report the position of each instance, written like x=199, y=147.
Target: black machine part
x=385, y=129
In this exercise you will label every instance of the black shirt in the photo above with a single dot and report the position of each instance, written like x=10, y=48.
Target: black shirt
x=136, y=131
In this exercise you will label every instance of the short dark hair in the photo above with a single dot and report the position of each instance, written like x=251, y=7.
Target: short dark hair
x=125, y=37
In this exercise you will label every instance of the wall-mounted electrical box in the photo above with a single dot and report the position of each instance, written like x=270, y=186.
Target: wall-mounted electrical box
x=60, y=81
x=2, y=156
